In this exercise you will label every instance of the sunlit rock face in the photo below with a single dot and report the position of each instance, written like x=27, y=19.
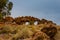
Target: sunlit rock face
x=57, y=36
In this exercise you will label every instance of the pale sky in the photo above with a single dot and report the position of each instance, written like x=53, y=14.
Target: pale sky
x=48, y=9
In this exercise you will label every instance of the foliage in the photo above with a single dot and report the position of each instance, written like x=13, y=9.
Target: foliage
x=3, y=3
x=5, y=7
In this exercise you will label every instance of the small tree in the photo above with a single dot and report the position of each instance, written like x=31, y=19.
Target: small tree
x=5, y=8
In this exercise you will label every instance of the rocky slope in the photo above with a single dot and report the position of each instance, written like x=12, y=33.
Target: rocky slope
x=36, y=29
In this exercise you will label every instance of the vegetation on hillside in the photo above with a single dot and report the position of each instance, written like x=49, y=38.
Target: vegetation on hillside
x=18, y=29
x=32, y=32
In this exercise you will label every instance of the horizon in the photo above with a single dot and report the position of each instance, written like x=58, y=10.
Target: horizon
x=47, y=9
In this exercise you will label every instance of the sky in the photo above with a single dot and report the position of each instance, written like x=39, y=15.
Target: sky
x=47, y=9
